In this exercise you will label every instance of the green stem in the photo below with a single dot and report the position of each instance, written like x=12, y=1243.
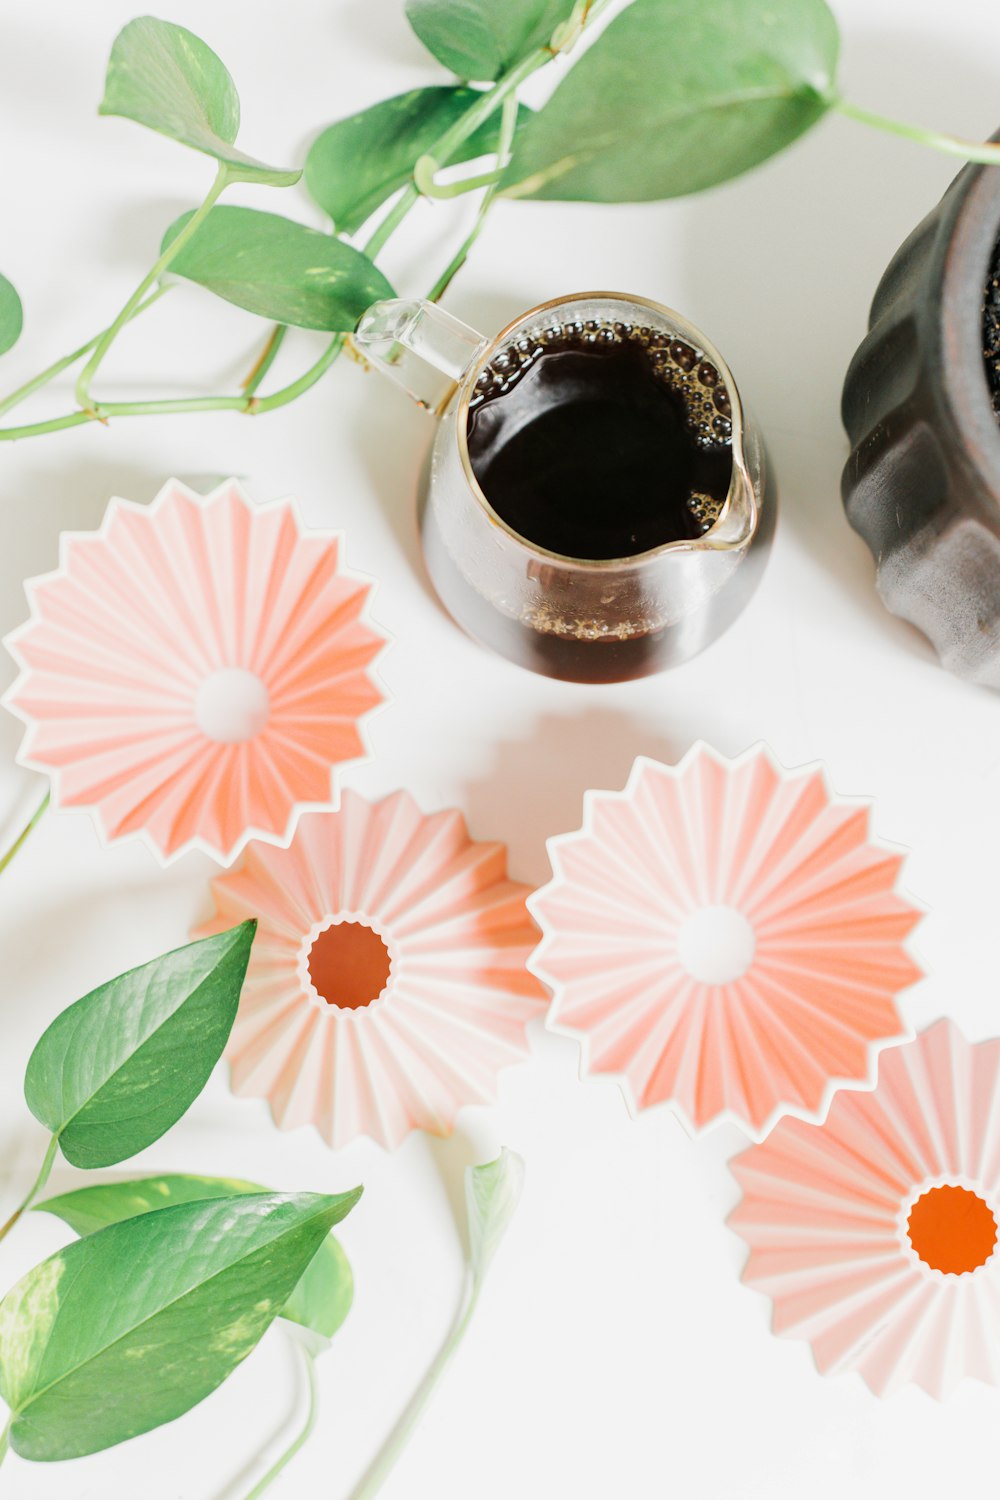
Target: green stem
x=265, y=359
x=508, y=121
x=53, y=424
x=987, y=152
x=248, y=402
x=36, y=1187
x=260, y=404
x=487, y=104
x=126, y=409
x=377, y=240
x=25, y=833
x=303, y=1436
x=51, y=371
x=386, y=1459
x=5, y=1440
x=565, y=36
x=424, y=176
x=583, y=14
x=109, y=335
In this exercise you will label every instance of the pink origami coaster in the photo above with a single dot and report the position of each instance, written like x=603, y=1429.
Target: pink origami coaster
x=195, y=670
x=725, y=936
x=388, y=982
x=875, y=1234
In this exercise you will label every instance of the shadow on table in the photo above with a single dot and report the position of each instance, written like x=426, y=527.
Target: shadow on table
x=381, y=29
x=61, y=927
x=534, y=787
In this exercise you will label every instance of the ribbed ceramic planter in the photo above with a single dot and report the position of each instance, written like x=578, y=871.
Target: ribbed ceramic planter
x=922, y=484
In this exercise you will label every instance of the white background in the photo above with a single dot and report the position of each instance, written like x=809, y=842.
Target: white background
x=615, y=1352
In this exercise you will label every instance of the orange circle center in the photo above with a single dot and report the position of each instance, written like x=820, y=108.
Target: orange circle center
x=952, y=1229
x=349, y=965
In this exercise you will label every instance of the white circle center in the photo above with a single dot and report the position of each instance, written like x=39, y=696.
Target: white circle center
x=716, y=945
x=232, y=705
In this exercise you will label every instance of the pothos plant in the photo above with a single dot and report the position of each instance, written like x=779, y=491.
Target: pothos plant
x=672, y=97
x=175, y=1278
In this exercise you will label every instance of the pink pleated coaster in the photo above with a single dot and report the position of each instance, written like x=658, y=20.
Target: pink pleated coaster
x=725, y=936
x=195, y=671
x=875, y=1234
x=388, y=982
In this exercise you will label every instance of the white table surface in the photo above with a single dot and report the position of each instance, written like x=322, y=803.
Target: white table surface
x=615, y=1352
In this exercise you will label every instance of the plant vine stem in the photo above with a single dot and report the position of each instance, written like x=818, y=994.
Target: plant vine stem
x=43, y=378
x=488, y=102
x=402, y=206
x=507, y=123
x=25, y=833
x=127, y=409
x=264, y=360
x=107, y=338
x=424, y=176
x=261, y=404
x=391, y=1450
x=303, y=1435
x=36, y=1187
x=248, y=402
x=583, y=14
x=5, y=1439
x=952, y=145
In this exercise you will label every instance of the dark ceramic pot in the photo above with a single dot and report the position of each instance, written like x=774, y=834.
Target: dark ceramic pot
x=922, y=484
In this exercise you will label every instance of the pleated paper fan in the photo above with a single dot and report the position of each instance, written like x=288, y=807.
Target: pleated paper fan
x=875, y=1234
x=725, y=936
x=195, y=670
x=388, y=982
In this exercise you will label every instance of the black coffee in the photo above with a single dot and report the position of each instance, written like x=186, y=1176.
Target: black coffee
x=991, y=330
x=602, y=440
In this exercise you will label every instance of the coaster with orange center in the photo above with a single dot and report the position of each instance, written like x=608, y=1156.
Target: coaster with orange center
x=388, y=983
x=875, y=1233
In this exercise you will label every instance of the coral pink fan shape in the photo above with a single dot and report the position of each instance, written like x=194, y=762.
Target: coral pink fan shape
x=195, y=670
x=829, y=1213
x=455, y=934
x=725, y=936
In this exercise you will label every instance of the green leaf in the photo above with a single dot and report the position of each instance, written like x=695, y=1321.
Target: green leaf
x=483, y=38
x=677, y=95
x=163, y=76
x=11, y=316
x=278, y=268
x=356, y=164
x=325, y=1294
x=320, y=1301
x=492, y=1193
x=132, y=1326
x=118, y=1068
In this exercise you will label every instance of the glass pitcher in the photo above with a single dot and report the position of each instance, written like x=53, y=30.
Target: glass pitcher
x=577, y=618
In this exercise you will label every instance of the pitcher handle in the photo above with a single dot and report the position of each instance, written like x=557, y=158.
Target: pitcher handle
x=441, y=344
